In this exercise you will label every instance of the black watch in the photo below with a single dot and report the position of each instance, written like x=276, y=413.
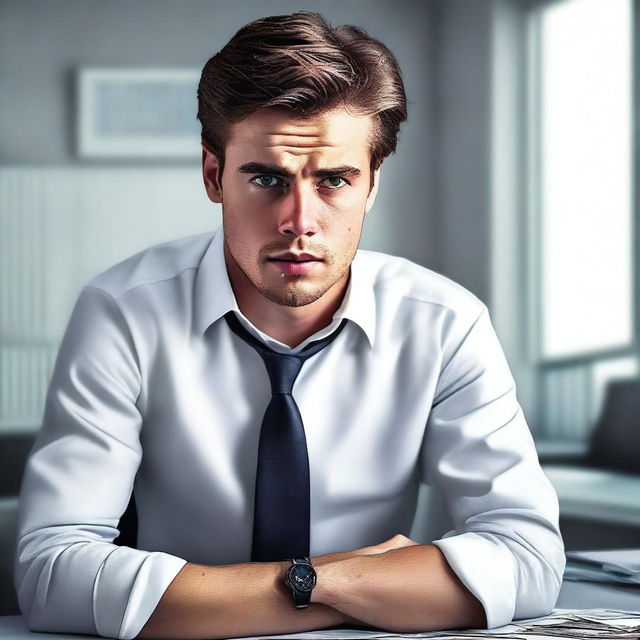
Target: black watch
x=301, y=578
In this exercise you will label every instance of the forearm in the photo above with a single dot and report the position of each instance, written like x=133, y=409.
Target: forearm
x=409, y=589
x=232, y=601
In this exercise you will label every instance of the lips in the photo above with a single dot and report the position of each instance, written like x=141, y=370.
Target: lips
x=295, y=264
x=293, y=257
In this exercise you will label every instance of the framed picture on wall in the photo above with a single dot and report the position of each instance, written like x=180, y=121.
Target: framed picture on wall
x=137, y=112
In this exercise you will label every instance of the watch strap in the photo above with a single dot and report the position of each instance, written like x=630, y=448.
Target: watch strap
x=301, y=599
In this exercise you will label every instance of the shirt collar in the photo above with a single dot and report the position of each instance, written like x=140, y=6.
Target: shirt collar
x=359, y=302
x=214, y=296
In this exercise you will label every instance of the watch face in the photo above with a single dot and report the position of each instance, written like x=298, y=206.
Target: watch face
x=302, y=577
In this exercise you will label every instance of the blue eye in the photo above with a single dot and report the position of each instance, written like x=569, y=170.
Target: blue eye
x=267, y=181
x=335, y=182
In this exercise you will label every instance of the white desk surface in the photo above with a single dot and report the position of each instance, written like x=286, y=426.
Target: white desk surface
x=595, y=595
x=14, y=628
x=573, y=595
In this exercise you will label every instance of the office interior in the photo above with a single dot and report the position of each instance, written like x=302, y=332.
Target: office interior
x=514, y=176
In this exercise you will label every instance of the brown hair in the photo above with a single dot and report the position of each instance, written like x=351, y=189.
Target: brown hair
x=300, y=62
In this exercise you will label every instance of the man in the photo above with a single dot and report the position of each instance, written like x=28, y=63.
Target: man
x=268, y=506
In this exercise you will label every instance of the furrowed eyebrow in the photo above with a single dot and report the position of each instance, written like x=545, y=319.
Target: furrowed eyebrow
x=271, y=169
x=281, y=172
x=336, y=172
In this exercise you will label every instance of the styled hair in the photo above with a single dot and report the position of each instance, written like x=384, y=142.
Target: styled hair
x=299, y=62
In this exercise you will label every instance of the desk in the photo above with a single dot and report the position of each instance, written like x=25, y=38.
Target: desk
x=14, y=628
x=594, y=595
x=573, y=595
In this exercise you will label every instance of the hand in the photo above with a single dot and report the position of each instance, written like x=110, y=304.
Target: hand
x=396, y=542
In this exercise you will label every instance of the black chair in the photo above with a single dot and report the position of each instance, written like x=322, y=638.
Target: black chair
x=128, y=525
x=14, y=450
x=614, y=443
x=615, y=440
x=591, y=516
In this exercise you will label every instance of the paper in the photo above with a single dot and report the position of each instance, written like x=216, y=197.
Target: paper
x=579, y=624
x=612, y=565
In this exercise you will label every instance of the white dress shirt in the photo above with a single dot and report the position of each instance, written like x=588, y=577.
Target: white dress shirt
x=151, y=390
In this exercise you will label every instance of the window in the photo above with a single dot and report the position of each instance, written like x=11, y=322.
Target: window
x=585, y=178
x=582, y=205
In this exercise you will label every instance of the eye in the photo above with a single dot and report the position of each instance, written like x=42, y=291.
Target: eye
x=267, y=181
x=334, y=182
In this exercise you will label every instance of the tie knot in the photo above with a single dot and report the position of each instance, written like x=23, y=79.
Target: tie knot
x=283, y=369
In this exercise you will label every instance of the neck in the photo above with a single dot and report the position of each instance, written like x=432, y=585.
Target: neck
x=289, y=325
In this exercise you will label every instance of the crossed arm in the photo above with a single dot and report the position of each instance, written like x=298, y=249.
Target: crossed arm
x=397, y=585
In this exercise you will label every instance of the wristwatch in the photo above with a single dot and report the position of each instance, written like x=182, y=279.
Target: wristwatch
x=301, y=578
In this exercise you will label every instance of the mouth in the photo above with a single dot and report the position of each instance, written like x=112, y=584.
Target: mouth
x=295, y=257
x=290, y=264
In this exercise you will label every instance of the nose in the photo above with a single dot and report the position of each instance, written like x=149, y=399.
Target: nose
x=299, y=213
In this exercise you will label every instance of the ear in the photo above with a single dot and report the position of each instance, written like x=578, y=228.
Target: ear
x=374, y=191
x=211, y=175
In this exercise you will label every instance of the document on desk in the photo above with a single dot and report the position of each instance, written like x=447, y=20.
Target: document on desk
x=560, y=624
x=620, y=566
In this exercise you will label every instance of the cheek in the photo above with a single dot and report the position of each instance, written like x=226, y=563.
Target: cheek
x=351, y=221
x=347, y=212
x=353, y=201
x=240, y=234
x=244, y=218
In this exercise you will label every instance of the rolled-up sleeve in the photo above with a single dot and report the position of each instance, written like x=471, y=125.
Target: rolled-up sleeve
x=505, y=547
x=69, y=576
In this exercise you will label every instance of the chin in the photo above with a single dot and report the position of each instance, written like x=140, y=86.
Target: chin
x=291, y=298
x=293, y=294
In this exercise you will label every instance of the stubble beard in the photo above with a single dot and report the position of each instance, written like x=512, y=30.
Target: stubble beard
x=296, y=297
x=290, y=291
x=293, y=292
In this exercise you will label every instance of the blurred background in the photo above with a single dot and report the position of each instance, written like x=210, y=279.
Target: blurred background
x=514, y=176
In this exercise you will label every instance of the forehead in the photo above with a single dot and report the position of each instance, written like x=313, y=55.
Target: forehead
x=332, y=137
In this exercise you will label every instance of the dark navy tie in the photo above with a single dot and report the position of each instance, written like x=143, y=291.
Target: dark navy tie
x=281, y=508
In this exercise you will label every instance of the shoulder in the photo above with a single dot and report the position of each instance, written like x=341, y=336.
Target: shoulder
x=405, y=284
x=158, y=263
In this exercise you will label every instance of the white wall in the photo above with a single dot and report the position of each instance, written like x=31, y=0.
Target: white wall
x=479, y=166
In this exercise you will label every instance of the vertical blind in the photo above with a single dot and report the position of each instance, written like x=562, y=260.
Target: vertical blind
x=59, y=227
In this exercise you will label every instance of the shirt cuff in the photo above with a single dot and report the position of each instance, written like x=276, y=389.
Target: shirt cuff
x=121, y=613
x=486, y=568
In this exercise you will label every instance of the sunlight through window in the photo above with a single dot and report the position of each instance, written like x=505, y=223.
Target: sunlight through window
x=586, y=176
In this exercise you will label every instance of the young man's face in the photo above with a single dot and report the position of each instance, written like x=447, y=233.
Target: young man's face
x=294, y=193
